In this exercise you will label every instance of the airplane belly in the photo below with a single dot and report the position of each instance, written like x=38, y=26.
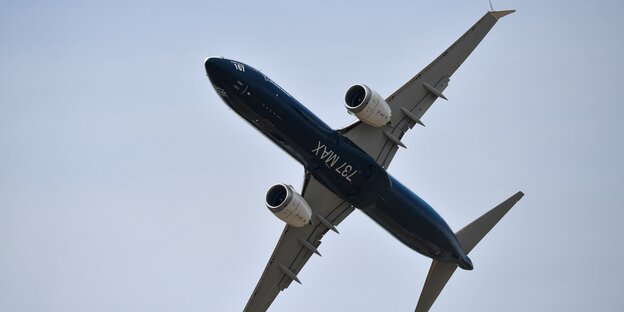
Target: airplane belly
x=347, y=171
x=416, y=224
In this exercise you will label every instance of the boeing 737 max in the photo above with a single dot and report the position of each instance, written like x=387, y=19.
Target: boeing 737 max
x=346, y=168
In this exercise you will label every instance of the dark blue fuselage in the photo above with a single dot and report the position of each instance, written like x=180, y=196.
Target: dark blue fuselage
x=334, y=160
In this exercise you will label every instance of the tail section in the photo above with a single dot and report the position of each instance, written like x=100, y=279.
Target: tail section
x=439, y=274
x=469, y=237
x=472, y=233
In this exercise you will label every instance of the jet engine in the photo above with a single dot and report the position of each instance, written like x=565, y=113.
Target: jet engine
x=367, y=105
x=288, y=205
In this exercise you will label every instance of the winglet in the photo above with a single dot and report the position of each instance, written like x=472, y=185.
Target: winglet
x=499, y=14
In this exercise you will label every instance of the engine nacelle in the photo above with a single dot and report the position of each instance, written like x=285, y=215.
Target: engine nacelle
x=367, y=105
x=288, y=205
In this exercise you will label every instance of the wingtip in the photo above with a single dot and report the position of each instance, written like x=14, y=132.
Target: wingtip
x=499, y=14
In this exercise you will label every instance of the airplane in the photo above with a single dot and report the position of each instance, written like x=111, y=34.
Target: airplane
x=346, y=169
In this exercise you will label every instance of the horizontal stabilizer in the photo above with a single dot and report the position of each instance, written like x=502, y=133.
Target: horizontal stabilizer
x=439, y=274
x=472, y=234
x=469, y=237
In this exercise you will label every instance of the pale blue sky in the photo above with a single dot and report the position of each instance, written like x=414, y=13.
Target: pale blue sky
x=127, y=185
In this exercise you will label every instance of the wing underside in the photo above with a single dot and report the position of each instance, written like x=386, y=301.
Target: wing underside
x=411, y=101
x=297, y=245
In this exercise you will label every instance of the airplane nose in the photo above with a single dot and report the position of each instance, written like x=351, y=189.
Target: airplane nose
x=214, y=67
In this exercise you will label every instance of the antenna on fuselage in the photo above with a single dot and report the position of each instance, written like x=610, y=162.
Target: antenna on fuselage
x=491, y=7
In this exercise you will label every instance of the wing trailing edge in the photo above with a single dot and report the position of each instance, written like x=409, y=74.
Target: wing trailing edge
x=469, y=237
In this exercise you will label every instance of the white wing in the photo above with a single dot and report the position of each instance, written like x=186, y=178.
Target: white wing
x=296, y=245
x=410, y=102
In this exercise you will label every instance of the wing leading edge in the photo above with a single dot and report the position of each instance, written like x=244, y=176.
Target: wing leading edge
x=296, y=245
x=411, y=101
